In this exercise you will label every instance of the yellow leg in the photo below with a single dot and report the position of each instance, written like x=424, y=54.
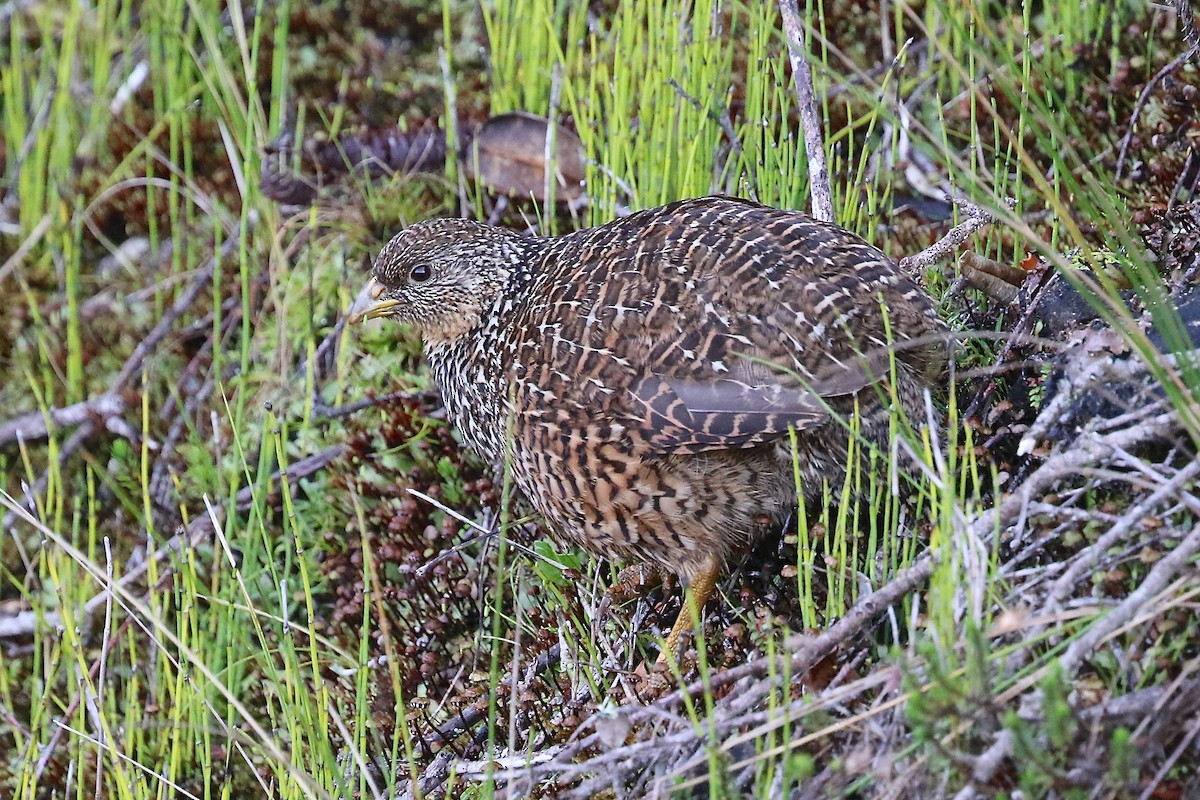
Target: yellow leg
x=694, y=599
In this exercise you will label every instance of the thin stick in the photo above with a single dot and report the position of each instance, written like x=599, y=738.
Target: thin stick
x=1165, y=571
x=32, y=426
x=804, y=653
x=818, y=170
x=977, y=217
x=1143, y=98
x=1187, y=26
x=109, y=404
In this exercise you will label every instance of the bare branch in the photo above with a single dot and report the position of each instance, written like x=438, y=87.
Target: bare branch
x=977, y=218
x=1187, y=26
x=818, y=170
x=32, y=427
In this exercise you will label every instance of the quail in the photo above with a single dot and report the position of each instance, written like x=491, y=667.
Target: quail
x=656, y=383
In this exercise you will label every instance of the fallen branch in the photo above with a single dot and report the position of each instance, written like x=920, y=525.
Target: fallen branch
x=1127, y=710
x=977, y=218
x=764, y=675
x=26, y=247
x=1092, y=449
x=131, y=368
x=814, y=147
x=33, y=426
x=133, y=365
x=161, y=481
x=1152, y=585
x=108, y=405
x=808, y=652
x=1087, y=558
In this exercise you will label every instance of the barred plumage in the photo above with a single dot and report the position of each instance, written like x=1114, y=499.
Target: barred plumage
x=641, y=377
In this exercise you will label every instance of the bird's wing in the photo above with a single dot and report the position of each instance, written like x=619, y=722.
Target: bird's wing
x=715, y=324
x=747, y=405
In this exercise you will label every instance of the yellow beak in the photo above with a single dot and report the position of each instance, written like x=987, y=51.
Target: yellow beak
x=368, y=305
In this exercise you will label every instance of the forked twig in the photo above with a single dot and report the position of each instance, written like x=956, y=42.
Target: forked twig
x=977, y=218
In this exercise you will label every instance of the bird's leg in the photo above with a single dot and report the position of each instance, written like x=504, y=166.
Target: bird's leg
x=698, y=592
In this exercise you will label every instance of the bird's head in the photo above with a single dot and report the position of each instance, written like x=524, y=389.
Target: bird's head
x=440, y=276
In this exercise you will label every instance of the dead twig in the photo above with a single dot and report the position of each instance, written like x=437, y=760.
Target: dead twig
x=1143, y=98
x=814, y=146
x=1012, y=511
x=1017, y=338
x=135, y=362
x=35, y=425
x=977, y=218
x=1169, y=762
x=1087, y=558
x=323, y=411
x=471, y=716
x=132, y=367
x=1127, y=710
x=160, y=475
x=31, y=241
x=74, y=442
x=762, y=676
x=738, y=711
x=1134, y=604
x=724, y=120
x=434, y=775
x=1187, y=26
x=666, y=744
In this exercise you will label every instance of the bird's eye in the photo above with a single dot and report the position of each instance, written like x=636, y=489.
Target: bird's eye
x=420, y=273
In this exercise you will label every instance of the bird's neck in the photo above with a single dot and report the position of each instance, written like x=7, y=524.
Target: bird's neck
x=473, y=363
x=470, y=375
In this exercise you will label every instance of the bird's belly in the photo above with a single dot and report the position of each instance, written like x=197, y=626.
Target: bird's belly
x=676, y=511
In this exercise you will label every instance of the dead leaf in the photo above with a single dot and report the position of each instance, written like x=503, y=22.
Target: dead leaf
x=508, y=155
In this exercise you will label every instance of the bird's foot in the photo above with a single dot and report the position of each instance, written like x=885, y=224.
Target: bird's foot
x=635, y=583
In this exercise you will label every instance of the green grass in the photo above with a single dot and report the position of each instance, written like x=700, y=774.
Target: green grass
x=219, y=672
